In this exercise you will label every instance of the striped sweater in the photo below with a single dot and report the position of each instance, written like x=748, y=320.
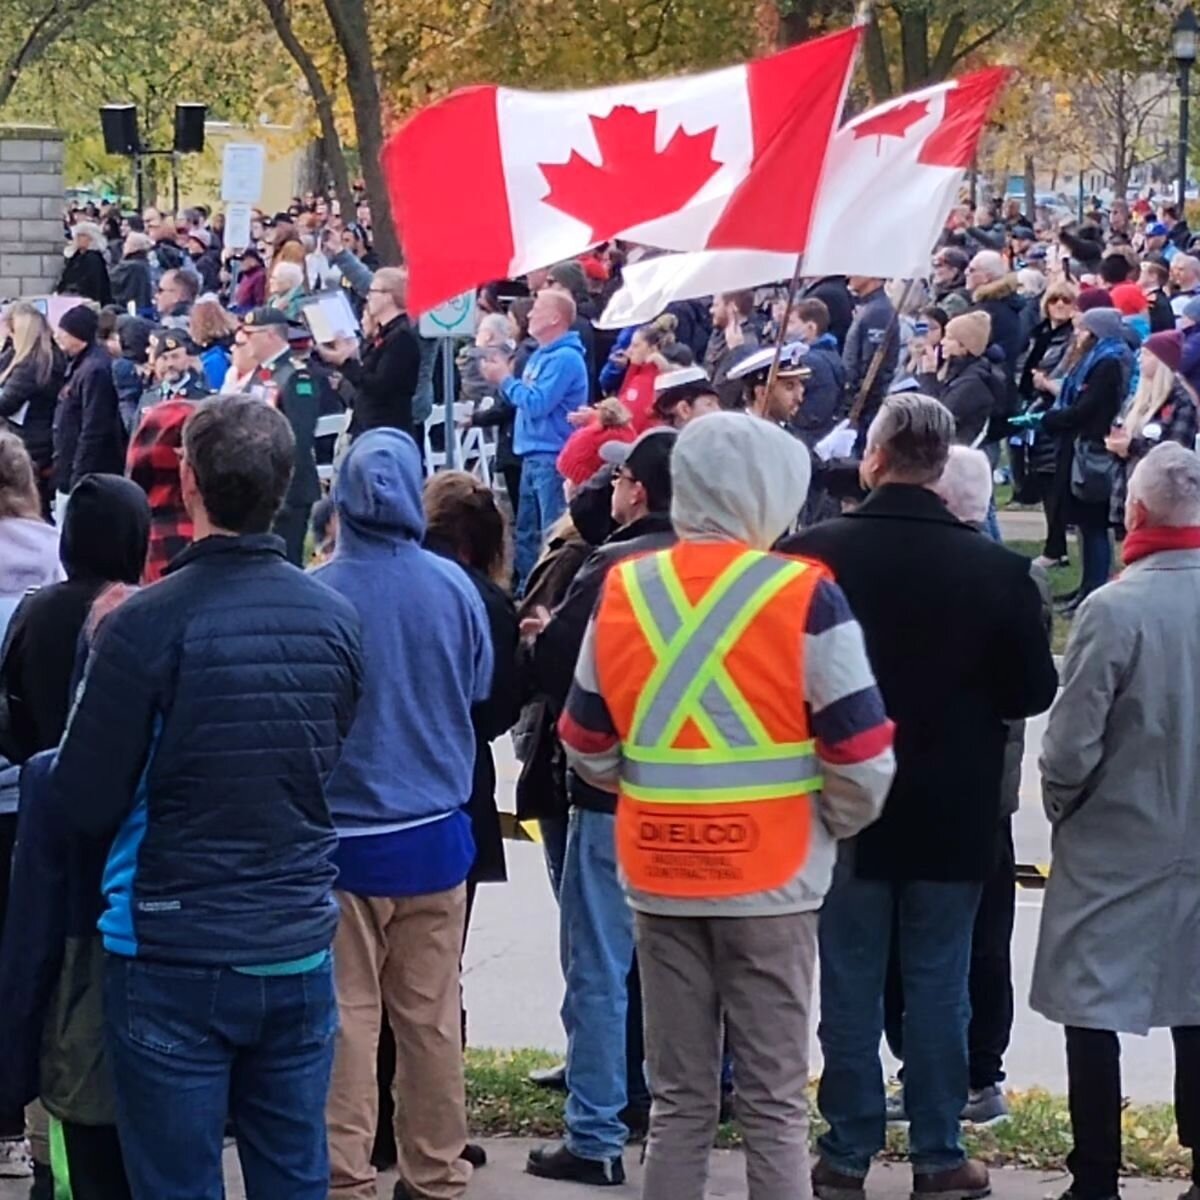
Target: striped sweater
x=848, y=723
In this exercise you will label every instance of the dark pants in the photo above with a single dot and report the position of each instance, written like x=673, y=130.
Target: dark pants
x=1094, y=1087
x=990, y=979
x=12, y=1124
x=512, y=485
x=1054, y=490
x=1096, y=544
x=292, y=525
x=188, y=1045
x=87, y=1162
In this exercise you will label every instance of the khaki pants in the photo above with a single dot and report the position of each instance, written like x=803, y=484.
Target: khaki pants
x=757, y=973
x=405, y=953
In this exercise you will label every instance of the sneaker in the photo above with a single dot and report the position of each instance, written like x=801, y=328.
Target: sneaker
x=1050, y=564
x=474, y=1154
x=893, y=1107
x=828, y=1184
x=554, y=1078
x=557, y=1162
x=985, y=1106
x=968, y=1181
x=16, y=1160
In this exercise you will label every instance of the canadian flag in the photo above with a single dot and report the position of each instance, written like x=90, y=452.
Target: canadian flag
x=491, y=183
x=891, y=175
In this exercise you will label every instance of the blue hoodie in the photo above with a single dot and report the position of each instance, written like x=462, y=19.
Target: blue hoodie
x=554, y=383
x=399, y=793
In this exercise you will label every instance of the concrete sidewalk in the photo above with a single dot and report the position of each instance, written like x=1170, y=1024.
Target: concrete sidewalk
x=504, y=1179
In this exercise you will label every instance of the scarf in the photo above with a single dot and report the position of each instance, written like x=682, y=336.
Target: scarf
x=1077, y=376
x=1144, y=542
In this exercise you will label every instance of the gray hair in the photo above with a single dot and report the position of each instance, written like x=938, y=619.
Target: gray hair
x=966, y=485
x=1167, y=482
x=915, y=432
x=1188, y=263
x=990, y=263
x=287, y=275
x=495, y=325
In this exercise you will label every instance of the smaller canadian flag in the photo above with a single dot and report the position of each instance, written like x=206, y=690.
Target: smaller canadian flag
x=491, y=182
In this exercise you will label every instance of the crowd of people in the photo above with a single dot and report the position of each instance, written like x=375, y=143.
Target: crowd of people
x=742, y=604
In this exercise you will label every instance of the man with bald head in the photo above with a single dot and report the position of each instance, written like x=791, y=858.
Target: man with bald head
x=553, y=385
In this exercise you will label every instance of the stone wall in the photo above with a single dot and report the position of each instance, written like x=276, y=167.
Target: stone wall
x=31, y=204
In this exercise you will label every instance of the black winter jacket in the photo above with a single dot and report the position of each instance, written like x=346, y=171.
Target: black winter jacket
x=1001, y=302
x=213, y=711
x=835, y=295
x=972, y=390
x=131, y=281
x=954, y=631
x=874, y=326
x=381, y=386
x=88, y=434
x=86, y=274
x=21, y=388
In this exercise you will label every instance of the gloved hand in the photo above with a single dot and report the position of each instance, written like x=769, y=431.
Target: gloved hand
x=1026, y=420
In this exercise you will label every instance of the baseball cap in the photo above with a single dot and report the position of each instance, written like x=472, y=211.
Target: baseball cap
x=259, y=318
x=1036, y=253
x=1157, y=229
x=1023, y=232
x=791, y=362
x=648, y=460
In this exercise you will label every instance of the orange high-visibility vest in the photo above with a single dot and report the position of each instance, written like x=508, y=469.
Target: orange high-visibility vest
x=699, y=655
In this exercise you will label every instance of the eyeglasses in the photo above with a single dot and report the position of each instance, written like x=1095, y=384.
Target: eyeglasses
x=626, y=476
x=1059, y=300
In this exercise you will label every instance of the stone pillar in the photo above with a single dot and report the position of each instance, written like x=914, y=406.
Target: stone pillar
x=31, y=206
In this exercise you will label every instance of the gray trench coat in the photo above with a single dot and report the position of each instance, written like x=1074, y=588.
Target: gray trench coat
x=1119, y=946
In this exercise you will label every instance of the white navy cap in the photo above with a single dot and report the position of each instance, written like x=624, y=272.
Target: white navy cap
x=791, y=362
x=677, y=378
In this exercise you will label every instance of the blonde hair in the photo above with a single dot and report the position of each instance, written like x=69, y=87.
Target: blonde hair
x=31, y=339
x=1152, y=393
x=1059, y=290
x=18, y=482
x=209, y=322
x=394, y=281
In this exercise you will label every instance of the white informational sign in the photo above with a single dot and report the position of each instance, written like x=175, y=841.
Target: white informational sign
x=242, y=166
x=454, y=319
x=329, y=317
x=237, y=226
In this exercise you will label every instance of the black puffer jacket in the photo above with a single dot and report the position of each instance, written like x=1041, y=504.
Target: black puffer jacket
x=214, y=710
x=22, y=387
x=972, y=389
x=88, y=434
x=1001, y=302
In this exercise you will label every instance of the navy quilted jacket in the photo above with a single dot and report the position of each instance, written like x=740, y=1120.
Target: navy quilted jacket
x=213, y=710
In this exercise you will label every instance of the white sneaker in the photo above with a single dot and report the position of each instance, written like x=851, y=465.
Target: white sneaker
x=16, y=1161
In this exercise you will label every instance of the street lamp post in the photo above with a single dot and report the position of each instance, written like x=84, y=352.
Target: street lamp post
x=1184, y=38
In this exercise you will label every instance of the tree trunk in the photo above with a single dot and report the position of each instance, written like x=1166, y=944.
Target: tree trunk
x=331, y=144
x=350, y=27
x=879, y=78
x=1030, y=188
x=914, y=45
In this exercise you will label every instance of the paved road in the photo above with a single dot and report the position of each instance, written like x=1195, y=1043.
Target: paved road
x=514, y=988
x=504, y=1179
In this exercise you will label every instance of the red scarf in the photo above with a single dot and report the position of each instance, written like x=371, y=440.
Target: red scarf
x=1143, y=542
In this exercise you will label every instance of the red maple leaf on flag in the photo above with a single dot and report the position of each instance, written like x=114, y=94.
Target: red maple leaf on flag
x=896, y=122
x=633, y=182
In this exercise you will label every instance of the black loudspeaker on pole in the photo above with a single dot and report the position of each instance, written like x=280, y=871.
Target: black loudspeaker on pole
x=119, y=122
x=189, y=128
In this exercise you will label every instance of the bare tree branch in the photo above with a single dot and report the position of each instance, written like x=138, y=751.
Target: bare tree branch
x=43, y=33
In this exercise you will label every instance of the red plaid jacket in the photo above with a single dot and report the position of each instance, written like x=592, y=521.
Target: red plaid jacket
x=153, y=464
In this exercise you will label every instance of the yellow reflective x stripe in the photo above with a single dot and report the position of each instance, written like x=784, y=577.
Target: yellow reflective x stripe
x=779, y=578
x=670, y=651
x=718, y=755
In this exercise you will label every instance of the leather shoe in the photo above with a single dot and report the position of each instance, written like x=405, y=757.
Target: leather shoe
x=828, y=1184
x=968, y=1181
x=557, y=1162
x=474, y=1154
x=554, y=1078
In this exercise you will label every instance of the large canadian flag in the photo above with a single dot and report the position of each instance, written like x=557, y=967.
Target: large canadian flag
x=891, y=175
x=490, y=182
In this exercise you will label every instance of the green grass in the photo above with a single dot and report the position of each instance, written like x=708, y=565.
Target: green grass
x=502, y=1103
x=1062, y=580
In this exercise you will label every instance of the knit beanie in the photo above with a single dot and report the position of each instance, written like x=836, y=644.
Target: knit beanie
x=1167, y=347
x=972, y=331
x=1103, y=323
x=82, y=321
x=1129, y=299
x=1094, y=297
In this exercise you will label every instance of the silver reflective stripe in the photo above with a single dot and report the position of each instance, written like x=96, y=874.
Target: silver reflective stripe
x=729, y=724
x=658, y=599
x=690, y=777
x=701, y=644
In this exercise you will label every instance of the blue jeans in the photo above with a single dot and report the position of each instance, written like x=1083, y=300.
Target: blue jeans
x=933, y=922
x=1095, y=544
x=596, y=942
x=190, y=1045
x=542, y=503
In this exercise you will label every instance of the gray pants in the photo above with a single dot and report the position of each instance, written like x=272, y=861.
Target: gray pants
x=751, y=977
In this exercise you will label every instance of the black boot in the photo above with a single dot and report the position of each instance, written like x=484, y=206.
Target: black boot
x=475, y=1155
x=557, y=1162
